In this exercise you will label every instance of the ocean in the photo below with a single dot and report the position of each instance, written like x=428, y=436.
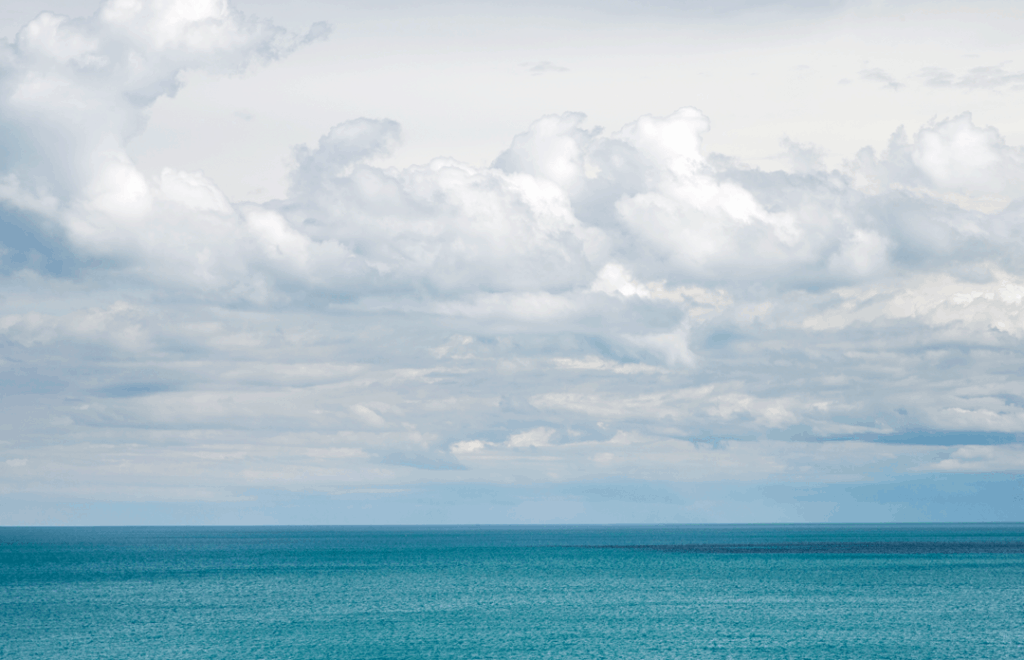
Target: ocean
x=815, y=592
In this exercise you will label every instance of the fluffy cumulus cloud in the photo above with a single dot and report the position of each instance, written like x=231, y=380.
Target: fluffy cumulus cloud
x=595, y=305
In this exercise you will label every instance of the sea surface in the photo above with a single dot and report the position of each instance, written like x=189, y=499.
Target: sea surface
x=293, y=593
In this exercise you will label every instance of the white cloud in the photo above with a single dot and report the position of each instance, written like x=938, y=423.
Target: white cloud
x=541, y=68
x=614, y=278
x=954, y=159
x=467, y=446
x=879, y=75
x=73, y=91
x=980, y=77
x=593, y=303
x=983, y=458
x=538, y=437
x=957, y=155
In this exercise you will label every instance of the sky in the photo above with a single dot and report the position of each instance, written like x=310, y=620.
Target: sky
x=467, y=262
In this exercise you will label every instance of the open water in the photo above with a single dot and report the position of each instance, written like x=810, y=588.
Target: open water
x=293, y=593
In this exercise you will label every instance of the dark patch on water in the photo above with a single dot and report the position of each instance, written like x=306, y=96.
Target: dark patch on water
x=839, y=548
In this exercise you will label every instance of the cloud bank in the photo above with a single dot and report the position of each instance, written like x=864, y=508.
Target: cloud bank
x=596, y=305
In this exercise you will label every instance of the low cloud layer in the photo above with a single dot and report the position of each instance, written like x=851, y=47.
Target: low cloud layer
x=598, y=304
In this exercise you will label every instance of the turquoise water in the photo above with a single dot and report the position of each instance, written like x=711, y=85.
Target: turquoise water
x=736, y=592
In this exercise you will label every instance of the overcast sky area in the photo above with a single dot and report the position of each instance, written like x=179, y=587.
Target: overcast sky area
x=472, y=262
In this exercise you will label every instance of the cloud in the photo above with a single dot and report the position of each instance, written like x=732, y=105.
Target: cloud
x=445, y=226
x=73, y=91
x=981, y=77
x=594, y=304
x=540, y=68
x=955, y=160
x=976, y=458
x=994, y=78
x=881, y=76
x=804, y=158
x=538, y=437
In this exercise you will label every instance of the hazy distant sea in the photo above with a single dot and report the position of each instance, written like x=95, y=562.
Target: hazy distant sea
x=816, y=592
